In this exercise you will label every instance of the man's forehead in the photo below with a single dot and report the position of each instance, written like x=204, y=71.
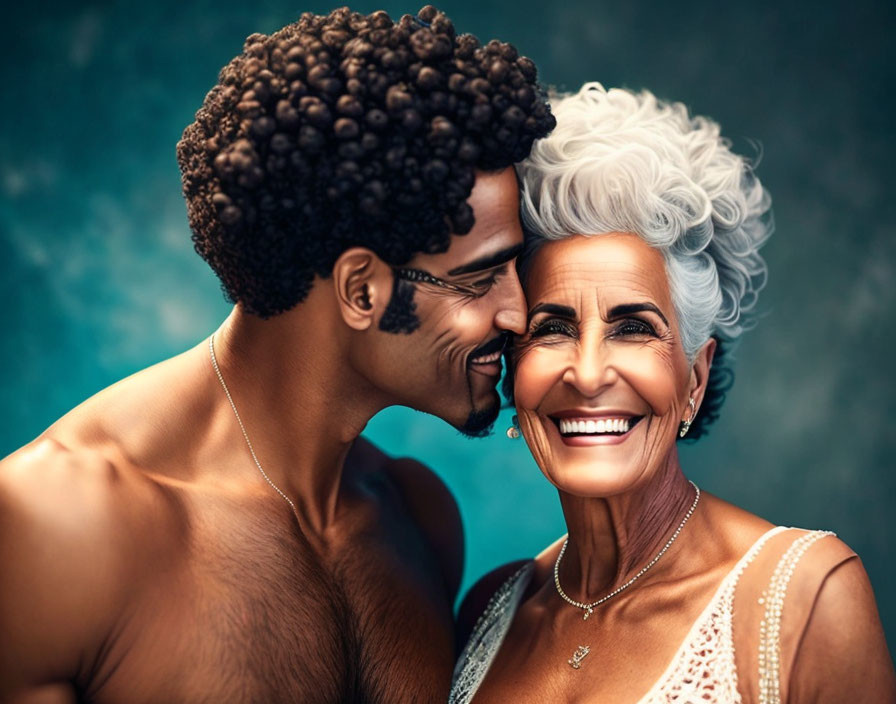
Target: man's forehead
x=488, y=260
x=475, y=251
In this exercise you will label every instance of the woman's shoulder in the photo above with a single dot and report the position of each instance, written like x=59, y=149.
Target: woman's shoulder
x=805, y=603
x=777, y=559
x=740, y=533
x=819, y=602
x=841, y=651
x=818, y=552
x=795, y=560
x=793, y=567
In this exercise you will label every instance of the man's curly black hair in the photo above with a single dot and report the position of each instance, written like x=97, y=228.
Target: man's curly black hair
x=349, y=130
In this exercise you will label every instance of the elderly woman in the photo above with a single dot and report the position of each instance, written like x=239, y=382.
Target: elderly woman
x=642, y=266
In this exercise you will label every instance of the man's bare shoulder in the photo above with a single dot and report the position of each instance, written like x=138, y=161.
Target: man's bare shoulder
x=421, y=486
x=66, y=544
x=429, y=502
x=72, y=519
x=51, y=486
x=83, y=509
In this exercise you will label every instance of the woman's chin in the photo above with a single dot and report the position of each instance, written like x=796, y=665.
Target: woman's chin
x=590, y=479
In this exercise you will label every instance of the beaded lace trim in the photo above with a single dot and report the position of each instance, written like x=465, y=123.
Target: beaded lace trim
x=487, y=636
x=702, y=671
x=770, y=626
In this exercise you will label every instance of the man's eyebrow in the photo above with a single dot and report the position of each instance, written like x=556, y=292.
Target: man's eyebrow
x=553, y=309
x=489, y=261
x=629, y=308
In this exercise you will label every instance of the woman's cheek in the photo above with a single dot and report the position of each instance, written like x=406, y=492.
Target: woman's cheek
x=534, y=377
x=654, y=378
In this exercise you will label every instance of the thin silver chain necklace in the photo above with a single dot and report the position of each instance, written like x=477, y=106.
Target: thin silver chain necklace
x=211, y=352
x=576, y=661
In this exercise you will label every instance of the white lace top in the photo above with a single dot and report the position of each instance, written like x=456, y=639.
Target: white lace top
x=703, y=670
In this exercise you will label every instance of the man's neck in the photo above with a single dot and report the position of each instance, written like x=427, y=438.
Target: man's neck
x=301, y=401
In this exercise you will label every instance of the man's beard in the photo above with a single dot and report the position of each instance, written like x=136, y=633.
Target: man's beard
x=480, y=421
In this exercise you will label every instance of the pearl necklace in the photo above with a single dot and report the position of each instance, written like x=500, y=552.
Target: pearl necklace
x=588, y=608
x=575, y=662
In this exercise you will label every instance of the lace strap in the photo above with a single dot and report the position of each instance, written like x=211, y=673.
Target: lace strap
x=770, y=626
x=487, y=636
x=703, y=666
x=730, y=582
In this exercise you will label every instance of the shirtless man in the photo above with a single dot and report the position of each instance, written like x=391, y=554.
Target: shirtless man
x=212, y=529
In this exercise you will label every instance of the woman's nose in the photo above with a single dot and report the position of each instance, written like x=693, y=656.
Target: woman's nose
x=590, y=370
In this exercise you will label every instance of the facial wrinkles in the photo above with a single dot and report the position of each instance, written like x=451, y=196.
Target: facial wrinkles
x=537, y=440
x=448, y=347
x=653, y=367
x=648, y=363
x=458, y=339
x=544, y=357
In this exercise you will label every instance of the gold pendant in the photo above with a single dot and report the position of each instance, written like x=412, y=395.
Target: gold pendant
x=576, y=660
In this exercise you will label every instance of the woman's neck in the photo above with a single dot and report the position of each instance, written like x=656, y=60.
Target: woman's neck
x=612, y=539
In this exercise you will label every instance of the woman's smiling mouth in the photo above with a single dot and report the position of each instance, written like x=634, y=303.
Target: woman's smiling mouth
x=603, y=429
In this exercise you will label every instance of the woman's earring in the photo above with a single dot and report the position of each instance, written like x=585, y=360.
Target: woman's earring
x=686, y=424
x=513, y=432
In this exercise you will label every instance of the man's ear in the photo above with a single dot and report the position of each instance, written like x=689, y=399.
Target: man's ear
x=700, y=371
x=363, y=286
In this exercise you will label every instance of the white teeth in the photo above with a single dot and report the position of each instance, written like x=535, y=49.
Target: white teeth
x=594, y=427
x=488, y=359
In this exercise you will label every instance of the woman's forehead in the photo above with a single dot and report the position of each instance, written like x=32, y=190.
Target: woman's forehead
x=616, y=263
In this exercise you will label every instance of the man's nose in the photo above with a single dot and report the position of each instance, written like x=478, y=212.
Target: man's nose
x=511, y=313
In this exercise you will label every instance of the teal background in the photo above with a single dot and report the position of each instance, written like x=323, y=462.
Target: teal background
x=98, y=278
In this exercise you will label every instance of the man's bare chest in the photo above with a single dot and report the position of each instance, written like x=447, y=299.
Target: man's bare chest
x=252, y=616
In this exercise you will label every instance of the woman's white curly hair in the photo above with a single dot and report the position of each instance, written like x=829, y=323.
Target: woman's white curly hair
x=620, y=161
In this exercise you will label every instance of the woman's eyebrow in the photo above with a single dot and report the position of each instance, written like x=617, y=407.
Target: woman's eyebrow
x=553, y=309
x=629, y=308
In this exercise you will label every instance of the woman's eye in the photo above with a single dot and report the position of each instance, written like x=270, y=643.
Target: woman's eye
x=634, y=326
x=553, y=327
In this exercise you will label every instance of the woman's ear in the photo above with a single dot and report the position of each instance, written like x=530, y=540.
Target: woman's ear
x=363, y=284
x=700, y=371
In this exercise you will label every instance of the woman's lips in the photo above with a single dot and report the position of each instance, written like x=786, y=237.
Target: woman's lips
x=582, y=430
